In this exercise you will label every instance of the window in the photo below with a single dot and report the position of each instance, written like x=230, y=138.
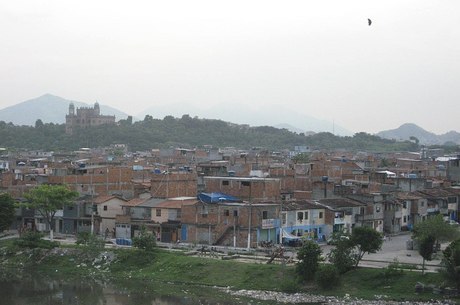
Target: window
x=158, y=212
x=105, y=208
x=235, y=213
x=225, y=182
x=320, y=215
x=299, y=216
x=377, y=209
x=306, y=215
x=245, y=183
x=264, y=214
x=204, y=211
x=284, y=216
x=404, y=219
x=226, y=212
x=405, y=205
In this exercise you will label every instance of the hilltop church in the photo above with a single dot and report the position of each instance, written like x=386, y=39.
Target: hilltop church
x=86, y=117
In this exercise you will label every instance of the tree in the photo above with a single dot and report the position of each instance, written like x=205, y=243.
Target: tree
x=6, y=211
x=47, y=199
x=366, y=240
x=342, y=256
x=426, y=249
x=39, y=124
x=309, y=257
x=451, y=263
x=436, y=227
x=148, y=118
x=145, y=241
x=301, y=158
x=415, y=139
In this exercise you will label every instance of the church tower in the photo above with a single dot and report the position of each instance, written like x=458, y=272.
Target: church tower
x=71, y=109
x=97, y=110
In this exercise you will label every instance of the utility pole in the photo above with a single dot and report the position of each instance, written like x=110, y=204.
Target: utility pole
x=250, y=216
x=281, y=223
x=92, y=204
x=325, y=179
x=234, y=229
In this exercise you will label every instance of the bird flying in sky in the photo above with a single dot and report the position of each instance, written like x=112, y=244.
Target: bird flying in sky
x=369, y=21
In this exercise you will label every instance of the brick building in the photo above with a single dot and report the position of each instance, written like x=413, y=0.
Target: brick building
x=174, y=184
x=86, y=117
x=245, y=188
x=230, y=224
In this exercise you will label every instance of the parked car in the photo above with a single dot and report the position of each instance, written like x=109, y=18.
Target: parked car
x=335, y=238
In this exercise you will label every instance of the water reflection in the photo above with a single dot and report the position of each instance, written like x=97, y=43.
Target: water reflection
x=44, y=291
x=39, y=291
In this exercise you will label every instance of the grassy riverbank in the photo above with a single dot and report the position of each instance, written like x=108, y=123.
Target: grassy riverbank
x=364, y=283
x=140, y=270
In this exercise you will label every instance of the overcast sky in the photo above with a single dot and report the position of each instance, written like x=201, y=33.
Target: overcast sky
x=318, y=58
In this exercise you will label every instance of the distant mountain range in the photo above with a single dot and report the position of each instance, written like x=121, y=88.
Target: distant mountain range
x=406, y=131
x=48, y=108
x=270, y=115
x=28, y=112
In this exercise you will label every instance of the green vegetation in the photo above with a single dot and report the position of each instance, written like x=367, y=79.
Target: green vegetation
x=327, y=276
x=365, y=240
x=186, y=132
x=342, y=256
x=6, y=211
x=437, y=228
x=133, y=269
x=145, y=241
x=301, y=158
x=451, y=263
x=426, y=249
x=350, y=249
x=368, y=283
x=47, y=199
x=33, y=240
x=309, y=256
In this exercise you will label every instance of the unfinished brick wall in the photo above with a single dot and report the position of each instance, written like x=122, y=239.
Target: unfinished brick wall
x=251, y=190
x=174, y=185
x=101, y=181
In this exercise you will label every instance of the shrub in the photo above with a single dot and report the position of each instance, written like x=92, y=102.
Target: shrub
x=389, y=273
x=145, y=241
x=309, y=258
x=94, y=245
x=343, y=257
x=33, y=239
x=83, y=238
x=327, y=276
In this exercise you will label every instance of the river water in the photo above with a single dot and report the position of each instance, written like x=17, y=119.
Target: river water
x=44, y=291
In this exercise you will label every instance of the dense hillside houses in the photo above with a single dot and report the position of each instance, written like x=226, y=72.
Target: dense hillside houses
x=231, y=197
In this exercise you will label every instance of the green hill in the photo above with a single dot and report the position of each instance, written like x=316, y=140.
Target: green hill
x=185, y=132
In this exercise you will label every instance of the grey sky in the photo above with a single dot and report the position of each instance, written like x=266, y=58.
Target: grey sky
x=318, y=58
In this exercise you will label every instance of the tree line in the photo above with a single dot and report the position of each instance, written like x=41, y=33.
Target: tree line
x=185, y=132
